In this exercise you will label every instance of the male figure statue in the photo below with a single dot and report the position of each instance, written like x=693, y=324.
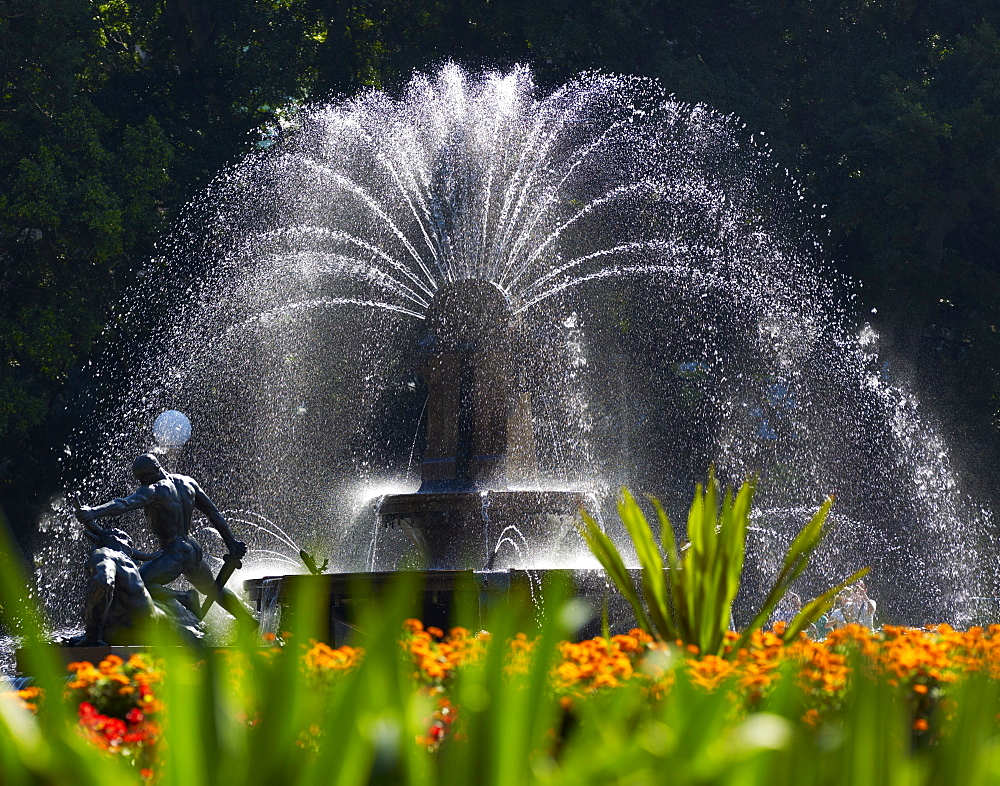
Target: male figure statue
x=169, y=501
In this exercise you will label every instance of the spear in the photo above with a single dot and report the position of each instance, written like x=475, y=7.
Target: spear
x=230, y=564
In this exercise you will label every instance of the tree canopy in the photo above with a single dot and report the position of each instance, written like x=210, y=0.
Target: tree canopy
x=114, y=113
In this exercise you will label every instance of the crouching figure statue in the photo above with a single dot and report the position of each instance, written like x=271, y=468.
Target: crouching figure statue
x=118, y=605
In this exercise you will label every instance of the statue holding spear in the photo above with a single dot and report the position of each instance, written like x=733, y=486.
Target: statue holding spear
x=169, y=502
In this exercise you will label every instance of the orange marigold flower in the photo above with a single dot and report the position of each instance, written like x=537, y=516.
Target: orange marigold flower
x=710, y=671
x=137, y=661
x=626, y=643
x=110, y=663
x=641, y=636
x=31, y=693
x=30, y=697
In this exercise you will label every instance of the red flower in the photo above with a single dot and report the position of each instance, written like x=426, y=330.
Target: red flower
x=114, y=730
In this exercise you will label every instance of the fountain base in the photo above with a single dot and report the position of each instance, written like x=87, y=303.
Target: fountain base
x=445, y=598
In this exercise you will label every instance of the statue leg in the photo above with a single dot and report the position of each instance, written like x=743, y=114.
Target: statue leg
x=202, y=580
x=163, y=569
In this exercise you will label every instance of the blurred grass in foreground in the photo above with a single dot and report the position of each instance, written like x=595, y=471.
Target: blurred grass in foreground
x=524, y=716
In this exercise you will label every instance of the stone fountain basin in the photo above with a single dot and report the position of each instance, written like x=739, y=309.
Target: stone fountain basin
x=473, y=593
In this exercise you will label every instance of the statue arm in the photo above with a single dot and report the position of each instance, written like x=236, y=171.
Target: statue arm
x=203, y=503
x=117, y=507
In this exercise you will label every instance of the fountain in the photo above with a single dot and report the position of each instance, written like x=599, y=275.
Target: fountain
x=425, y=327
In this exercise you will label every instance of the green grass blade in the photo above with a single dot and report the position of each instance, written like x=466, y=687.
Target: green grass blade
x=692, y=562
x=819, y=606
x=673, y=578
x=610, y=558
x=654, y=585
x=667, y=540
x=736, y=548
x=796, y=561
x=806, y=541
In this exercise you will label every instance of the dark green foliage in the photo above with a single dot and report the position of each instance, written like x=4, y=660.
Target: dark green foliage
x=114, y=113
x=111, y=115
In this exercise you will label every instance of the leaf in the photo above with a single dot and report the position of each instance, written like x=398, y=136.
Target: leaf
x=608, y=555
x=654, y=586
x=688, y=595
x=819, y=606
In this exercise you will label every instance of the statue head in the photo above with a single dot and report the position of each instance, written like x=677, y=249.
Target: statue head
x=108, y=538
x=115, y=539
x=146, y=469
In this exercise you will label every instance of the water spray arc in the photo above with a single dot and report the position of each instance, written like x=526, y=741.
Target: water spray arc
x=537, y=296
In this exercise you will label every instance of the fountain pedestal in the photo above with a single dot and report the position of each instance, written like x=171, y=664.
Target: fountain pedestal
x=478, y=417
x=468, y=528
x=473, y=534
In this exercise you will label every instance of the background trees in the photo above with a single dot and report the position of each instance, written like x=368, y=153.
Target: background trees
x=114, y=113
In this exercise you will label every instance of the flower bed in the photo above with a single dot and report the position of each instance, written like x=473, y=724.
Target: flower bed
x=120, y=710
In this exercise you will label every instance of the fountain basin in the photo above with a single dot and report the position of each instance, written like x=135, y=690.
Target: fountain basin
x=445, y=598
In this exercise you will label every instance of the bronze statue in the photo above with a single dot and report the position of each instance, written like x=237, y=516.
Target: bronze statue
x=118, y=604
x=169, y=501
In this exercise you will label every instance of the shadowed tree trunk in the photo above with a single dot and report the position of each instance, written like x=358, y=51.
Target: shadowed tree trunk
x=191, y=30
x=336, y=59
